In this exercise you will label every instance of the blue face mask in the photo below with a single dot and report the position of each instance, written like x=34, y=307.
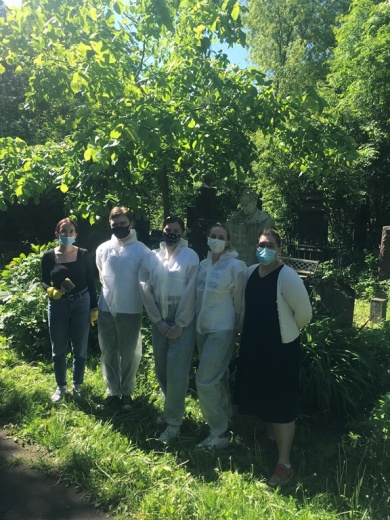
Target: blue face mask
x=66, y=241
x=265, y=256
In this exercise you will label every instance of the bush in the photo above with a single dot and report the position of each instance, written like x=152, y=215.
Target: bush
x=344, y=370
x=23, y=305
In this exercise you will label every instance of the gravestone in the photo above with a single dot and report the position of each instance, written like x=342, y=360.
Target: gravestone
x=361, y=226
x=378, y=308
x=200, y=217
x=312, y=229
x=338, y=299
x=313, y=220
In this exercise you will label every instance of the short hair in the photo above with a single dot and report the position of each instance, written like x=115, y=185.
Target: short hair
x=118, y=211
x=273, y=233
x=172, y=219
x=67, y=220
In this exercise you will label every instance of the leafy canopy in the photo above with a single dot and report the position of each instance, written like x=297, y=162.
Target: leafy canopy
x=151, y=105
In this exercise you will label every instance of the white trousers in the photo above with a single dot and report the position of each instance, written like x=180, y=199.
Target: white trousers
x=172, y=360
x=212, y=378
x=121, y=346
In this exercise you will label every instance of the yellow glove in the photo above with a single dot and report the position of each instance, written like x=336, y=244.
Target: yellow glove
x=54, y=293
x=93, y=316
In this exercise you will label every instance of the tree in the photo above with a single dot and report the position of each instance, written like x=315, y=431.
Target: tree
x=359, y=91
x=293, y=40
x=151, y=106
x=151, y=102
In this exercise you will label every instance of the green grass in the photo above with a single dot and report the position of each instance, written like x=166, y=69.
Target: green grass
x=116, y=459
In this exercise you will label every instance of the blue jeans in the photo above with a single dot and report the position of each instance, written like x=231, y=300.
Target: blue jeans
x=69, y=323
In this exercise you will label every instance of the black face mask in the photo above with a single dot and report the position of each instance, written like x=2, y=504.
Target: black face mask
x=121, y=231
x=171, y=239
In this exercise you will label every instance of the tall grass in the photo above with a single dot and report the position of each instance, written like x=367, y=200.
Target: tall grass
x=340, y=451
x=117, y=460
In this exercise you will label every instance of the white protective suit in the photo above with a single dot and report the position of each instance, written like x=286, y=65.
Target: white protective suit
x=120, y=312
x=220, y=293
x=118, y=262
x=168, y=293
x=169, y=284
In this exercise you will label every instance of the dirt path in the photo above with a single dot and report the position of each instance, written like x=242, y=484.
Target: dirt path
x=28, y=494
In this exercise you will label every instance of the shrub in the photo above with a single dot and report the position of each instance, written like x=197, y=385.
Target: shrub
x=344, y=370
x=23, y=304
x=361, y=274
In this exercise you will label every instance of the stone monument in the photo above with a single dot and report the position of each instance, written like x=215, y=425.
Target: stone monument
x=247, y=225
x=201, y=216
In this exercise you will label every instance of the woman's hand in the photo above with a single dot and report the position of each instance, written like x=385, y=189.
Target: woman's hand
x=174, y=332
x=163, y=327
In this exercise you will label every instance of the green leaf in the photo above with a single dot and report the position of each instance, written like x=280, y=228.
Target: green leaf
x=115, y=134
x=88, y=154
x=235, y=11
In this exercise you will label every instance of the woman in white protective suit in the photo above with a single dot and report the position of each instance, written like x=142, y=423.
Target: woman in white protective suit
x=167, y=279
x=120, y=308
x=219, y=299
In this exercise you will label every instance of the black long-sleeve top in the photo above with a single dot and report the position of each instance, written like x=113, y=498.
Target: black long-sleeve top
x=79, y=272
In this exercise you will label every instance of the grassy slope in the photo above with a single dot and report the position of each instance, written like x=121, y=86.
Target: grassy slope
x=117, y=460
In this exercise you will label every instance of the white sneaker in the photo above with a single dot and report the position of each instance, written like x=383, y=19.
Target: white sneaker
x=212, y=442
x=170, y=432
x=76, y=392
x=58, y=394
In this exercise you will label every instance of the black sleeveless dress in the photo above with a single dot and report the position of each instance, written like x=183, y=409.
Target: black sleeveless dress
x=268, y=370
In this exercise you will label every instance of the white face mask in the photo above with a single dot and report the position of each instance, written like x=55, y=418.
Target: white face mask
x=216, y=245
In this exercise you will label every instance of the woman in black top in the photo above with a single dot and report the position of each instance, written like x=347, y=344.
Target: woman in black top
x=67, y=277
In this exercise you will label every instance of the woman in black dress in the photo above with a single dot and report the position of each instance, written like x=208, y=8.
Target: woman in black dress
x=277, y=306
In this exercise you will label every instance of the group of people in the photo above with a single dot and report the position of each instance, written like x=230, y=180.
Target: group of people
x=188, y=303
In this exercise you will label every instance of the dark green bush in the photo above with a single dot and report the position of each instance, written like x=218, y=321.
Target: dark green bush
x=23, y=305
x=344, y=370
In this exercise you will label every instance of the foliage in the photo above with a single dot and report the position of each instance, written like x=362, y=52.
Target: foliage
x=293, y=40
x=344, y=370
x=360, y=271
x=358, y=93
x=23, y=320
x=116, y=459
x=144, y=113
x=366, y=449
x=153, y=119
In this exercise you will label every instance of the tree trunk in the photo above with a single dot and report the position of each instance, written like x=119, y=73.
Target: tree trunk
x=165, y=190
